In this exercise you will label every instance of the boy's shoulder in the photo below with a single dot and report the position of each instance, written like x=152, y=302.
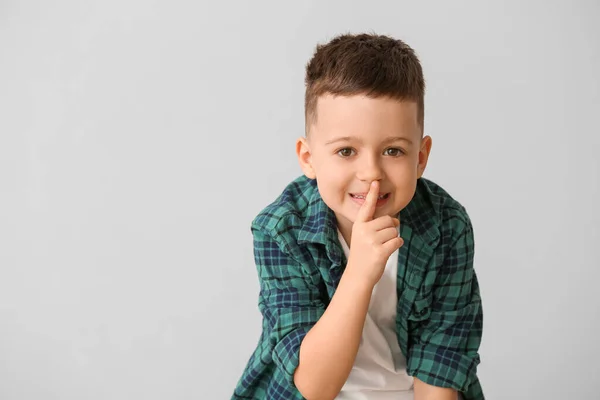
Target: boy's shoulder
x=434, y=213
x=297, y=215
x=293, y=202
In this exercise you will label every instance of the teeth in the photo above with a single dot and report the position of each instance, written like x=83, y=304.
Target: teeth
x=363, y=197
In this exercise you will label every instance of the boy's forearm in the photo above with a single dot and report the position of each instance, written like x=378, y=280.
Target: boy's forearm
x=329, y=349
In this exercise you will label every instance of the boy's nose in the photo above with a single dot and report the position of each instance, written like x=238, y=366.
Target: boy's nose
x=369, y=171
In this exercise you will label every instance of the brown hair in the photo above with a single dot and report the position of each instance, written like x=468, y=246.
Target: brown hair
x=369, y=64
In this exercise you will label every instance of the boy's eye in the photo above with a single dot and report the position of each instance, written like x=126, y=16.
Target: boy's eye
x=394, y=152
x=345, y=152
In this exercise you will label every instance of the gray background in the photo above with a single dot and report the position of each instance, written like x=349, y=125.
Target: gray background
x=138, y=139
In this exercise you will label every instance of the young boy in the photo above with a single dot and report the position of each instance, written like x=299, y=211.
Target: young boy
x=367, y=287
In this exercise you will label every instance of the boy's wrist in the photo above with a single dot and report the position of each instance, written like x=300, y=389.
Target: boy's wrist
x=357, y=281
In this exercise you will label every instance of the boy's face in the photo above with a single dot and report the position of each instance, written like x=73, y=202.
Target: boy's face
x=356, y=140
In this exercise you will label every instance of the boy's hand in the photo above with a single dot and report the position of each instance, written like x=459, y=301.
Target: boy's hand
x=373, y=240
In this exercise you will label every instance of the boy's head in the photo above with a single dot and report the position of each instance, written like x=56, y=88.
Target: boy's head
x=364, y=114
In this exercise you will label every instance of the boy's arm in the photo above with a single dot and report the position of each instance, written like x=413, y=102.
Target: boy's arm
x=444, y=344
x=328, y=351
x=294, y=315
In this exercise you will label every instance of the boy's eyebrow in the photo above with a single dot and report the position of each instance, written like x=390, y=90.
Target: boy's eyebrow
x=387, y=140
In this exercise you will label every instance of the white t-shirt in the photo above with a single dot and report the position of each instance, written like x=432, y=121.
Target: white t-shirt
x=379, y=371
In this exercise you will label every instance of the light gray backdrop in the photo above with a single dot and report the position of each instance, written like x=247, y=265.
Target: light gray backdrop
x=138, y=139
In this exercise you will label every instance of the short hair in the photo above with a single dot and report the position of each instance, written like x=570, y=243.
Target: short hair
x=369, y=64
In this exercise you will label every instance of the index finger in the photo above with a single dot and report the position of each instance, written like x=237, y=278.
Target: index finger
x=367, y=209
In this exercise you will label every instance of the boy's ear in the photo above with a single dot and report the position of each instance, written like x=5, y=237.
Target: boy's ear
x=424, y=155
x=305, y=157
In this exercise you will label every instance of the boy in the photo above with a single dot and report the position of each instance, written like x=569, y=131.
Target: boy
x=366, y=268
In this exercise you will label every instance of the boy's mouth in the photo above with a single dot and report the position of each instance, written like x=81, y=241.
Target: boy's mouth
x=363, y=196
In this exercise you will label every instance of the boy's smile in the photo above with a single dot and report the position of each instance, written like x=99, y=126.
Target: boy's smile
x=359, y=198
x=357, y=139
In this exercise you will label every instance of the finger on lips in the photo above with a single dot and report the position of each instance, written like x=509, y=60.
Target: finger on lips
x=367, y=209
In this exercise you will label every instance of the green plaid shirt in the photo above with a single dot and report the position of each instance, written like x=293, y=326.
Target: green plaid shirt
x=300, y=262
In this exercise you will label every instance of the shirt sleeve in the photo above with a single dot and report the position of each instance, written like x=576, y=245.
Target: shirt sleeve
x=444, y=345
x=289, y=302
